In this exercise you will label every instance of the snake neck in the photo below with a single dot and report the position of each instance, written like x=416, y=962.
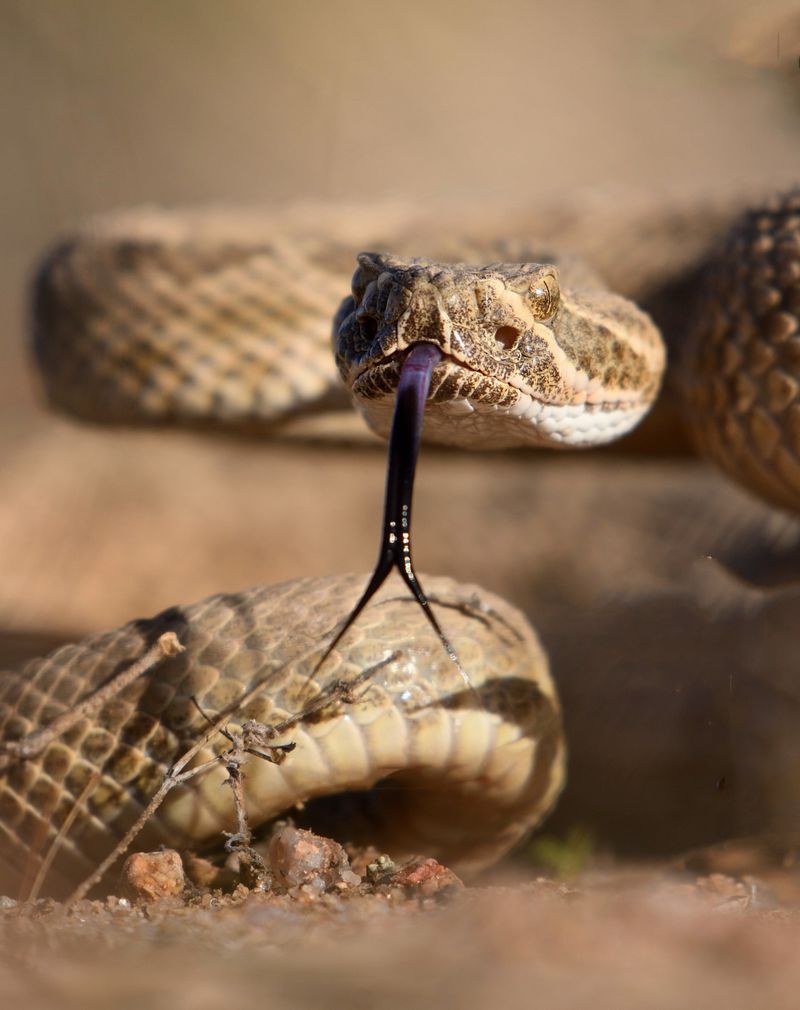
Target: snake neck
x=524, y=360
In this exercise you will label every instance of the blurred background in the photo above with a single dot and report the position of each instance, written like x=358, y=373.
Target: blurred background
x=105, y=103
x=183, y=101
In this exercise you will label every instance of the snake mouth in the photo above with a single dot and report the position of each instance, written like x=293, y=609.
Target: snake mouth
x=452, y=379
x=471, y=408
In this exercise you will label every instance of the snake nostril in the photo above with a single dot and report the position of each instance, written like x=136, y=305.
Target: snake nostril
x=506, y=336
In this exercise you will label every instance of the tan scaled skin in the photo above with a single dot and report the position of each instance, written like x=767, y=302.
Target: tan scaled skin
x=526, y=360
x=469, y=770
x=739, y=372
x=216, y=320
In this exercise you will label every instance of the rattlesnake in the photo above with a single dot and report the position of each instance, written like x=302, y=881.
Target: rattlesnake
x=175, y=298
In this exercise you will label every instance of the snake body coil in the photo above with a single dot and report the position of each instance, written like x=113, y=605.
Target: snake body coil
x=740, y=369
x=463, y=772
x=211, y=320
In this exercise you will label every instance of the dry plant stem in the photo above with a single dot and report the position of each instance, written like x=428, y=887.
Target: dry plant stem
x=249, y=741
x=58, y=841
x=240, y=841
x=174, y=776
x=30, y=746
x=255, y=736
x=166, y=646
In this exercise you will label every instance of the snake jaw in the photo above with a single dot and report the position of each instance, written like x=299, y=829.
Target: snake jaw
x=550, y=366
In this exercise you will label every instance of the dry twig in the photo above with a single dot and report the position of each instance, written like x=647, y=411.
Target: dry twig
x=255, y=739
x=58, y=841
x=166, y=646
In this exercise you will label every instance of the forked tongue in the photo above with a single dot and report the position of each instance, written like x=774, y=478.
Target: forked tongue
x=395, y=547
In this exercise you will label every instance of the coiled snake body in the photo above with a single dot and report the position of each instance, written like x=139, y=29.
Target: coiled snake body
x=162, y=319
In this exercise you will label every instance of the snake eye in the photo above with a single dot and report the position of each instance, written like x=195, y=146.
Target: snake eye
x=544, y=297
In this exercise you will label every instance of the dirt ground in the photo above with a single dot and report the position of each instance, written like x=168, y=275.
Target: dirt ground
x=623, y=941
x=666, y=598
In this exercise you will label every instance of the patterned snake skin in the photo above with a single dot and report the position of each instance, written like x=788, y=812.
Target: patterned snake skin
x=465, y=772
x=221, y=320
x=160, y=318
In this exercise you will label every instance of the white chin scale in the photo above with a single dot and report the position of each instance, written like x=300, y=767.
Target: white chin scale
x=470, y=425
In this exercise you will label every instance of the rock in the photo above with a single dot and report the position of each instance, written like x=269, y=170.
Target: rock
x=151, y=876
x=299, y=858
x=208, y=876
x=425, y=877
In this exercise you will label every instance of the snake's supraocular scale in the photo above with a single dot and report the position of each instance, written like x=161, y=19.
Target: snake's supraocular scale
x=462, y=773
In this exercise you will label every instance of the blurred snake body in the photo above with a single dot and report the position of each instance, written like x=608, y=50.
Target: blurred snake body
x=167, y=319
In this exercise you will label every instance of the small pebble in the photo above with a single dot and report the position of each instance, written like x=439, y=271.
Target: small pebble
x=151, y=876
x=300, y=858
x=381, y=869
x=425, y=877
x=205, y=874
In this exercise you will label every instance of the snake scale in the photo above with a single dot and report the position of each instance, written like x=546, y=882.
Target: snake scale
x=211, y=320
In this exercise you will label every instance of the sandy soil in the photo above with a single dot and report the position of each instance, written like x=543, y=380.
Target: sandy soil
x=679, y=676
x=634, y=940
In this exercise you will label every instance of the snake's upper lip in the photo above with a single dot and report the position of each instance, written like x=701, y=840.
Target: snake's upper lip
x=397, y=357
x=450, y=362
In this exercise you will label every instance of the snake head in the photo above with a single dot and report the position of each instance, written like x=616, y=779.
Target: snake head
x=524, y=360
